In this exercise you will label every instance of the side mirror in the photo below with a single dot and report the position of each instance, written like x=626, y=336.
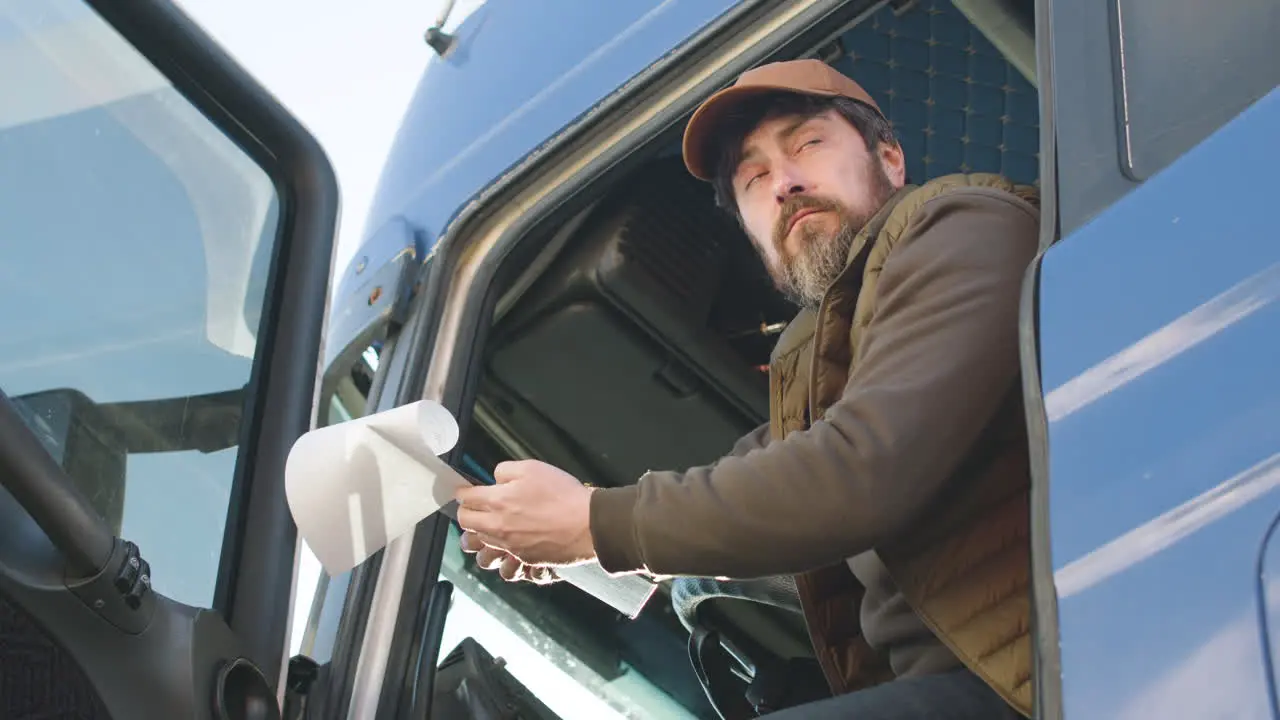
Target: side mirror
x=76, y=433
x=92, y=441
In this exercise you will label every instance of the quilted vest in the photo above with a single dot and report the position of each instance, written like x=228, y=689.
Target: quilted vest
x=965, y=569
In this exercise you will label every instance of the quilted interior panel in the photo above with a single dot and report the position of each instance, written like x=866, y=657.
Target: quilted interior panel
x=955, y=103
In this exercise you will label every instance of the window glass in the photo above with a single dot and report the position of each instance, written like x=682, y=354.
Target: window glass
x=137, y=240
x=577, y=673
x=1136, y=84
x=320, y=598
x=1186, y=68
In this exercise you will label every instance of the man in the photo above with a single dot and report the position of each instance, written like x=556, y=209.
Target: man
x=892, y=478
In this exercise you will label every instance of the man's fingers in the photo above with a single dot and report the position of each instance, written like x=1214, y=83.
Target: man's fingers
x=490, y=542
x=509, y=566
x=511, y=569
x=484, y=525
x=470, y=542
x=490, y=558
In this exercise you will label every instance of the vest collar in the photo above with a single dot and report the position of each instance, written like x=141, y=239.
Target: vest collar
x=798, y=332
x=876, y=224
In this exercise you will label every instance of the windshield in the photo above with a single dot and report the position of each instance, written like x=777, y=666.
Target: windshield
x=562, y=669
x=137, y=242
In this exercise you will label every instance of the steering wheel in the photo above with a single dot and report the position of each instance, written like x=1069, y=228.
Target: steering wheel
x=742, y=677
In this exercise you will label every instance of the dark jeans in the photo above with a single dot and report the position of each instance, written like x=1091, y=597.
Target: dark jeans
x=958, y=695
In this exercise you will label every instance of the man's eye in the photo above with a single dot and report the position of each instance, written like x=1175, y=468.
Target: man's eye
x=752, y=180
x=810, y=141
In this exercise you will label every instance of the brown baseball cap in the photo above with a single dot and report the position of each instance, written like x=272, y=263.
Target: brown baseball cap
x=809, y=77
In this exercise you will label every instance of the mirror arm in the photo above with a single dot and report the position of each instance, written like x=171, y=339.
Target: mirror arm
x=40, y=486
x=207, y=423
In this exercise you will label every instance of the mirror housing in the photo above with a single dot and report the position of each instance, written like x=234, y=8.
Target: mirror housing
x=76, y=433
x=92, y=441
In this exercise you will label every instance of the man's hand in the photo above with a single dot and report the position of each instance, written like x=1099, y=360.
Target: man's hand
x=536, y=516
x=507, y=565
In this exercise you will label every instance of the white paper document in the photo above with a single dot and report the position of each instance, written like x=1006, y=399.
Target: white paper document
x=356, y=486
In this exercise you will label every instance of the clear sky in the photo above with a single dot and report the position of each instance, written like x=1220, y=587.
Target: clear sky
x=346, y=70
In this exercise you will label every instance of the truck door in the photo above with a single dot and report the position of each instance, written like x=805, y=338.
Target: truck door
x=166, y=232
x=1158, y=337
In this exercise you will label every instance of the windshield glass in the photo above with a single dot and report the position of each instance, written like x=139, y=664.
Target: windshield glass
x=137, y=242
x=577, y=676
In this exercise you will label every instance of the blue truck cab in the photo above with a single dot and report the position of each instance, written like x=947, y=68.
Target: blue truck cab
x=538, y=261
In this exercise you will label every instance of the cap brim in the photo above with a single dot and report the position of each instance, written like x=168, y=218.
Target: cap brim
x=699, y=134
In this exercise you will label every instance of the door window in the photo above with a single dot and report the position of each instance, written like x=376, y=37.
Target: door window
x=1186, y=69
x=1137, y=84
x=137, y=241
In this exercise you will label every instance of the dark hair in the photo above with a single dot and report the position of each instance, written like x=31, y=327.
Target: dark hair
x=869, y=123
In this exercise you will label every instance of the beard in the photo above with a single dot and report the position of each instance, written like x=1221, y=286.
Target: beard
x=805, y=277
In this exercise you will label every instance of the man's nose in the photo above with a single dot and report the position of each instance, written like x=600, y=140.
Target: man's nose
x=786, y=182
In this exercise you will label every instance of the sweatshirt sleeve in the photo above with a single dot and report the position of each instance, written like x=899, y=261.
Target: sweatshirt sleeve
x=753, y=440
x=941, y=354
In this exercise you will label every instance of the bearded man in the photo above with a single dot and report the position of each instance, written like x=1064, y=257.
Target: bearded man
x=892, y=478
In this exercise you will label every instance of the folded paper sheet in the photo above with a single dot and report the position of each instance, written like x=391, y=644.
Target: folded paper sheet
x=356, y=486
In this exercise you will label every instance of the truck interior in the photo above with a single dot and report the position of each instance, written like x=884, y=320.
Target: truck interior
x=637, y=334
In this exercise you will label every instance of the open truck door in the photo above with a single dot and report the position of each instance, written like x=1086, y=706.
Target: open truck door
x=167, y=231
x=1151, y=340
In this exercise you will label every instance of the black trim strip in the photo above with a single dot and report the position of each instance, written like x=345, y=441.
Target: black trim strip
x=1264, y=616
x=422, y=645
x=420, y=693
x=334, y=694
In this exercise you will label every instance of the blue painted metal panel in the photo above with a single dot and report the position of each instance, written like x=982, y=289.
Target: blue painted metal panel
x=520, y=73
x=1160, y=343
x=378, y=282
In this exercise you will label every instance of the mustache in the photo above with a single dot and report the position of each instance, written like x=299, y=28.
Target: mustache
x=796, y=204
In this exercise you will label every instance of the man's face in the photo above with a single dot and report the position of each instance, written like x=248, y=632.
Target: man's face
x=805, y=187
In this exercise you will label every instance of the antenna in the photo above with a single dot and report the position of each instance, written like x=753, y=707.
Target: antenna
x=439, y=40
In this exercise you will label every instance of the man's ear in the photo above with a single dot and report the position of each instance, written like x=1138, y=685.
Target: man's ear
x=894, y=162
